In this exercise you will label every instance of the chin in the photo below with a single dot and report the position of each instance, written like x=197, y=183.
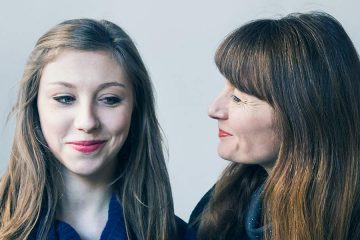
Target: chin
x=83, y=169
x=84, y=172
x=225, y=155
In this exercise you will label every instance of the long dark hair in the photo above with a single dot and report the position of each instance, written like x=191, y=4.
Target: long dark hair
x=31, y=178
x=306, y=67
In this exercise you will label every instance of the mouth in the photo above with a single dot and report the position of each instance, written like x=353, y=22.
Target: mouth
x=87, y=146
x=223, y=133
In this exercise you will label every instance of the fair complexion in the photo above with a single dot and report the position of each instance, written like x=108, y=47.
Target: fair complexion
x=85, y=105
x=246, y=128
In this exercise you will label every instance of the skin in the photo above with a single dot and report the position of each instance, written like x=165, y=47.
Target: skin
x=84, y=96
x=246, y=129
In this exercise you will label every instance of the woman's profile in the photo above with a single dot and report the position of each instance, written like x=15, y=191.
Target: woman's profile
x=288, y=118
x=87, y=159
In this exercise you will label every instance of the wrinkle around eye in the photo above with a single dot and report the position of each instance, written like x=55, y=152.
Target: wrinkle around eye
x=237, y=100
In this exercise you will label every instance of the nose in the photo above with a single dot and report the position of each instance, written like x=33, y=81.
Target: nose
x=87, y=119
x=218, y=109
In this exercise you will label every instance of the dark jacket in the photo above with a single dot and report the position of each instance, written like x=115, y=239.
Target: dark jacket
x=114, y=228
x=253, y=228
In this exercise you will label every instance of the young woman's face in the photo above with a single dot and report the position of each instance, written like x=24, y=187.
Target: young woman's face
x=85, y=105
x=246, y=128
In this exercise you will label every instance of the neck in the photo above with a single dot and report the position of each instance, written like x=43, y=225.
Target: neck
x=84, y=203
x=84, y=192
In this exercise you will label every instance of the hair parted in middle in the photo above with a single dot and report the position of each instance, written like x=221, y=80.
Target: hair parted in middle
x=32, y=178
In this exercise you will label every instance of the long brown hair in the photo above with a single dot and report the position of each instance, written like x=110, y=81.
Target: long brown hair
x=29, y=186
x=306, y=67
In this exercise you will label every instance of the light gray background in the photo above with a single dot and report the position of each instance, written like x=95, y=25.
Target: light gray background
x=177, y=40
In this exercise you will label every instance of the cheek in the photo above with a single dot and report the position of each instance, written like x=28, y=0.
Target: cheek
x=245, y=127
x=255, y=134
x=264, y=142
x=54, y=130
x=253, y=126
x=54, y=124
x=117, y=122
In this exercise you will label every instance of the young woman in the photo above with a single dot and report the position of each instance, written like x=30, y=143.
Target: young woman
x=87, y=159
x=289, y=120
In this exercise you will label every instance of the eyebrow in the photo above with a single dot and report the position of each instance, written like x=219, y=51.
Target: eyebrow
x=111, y=84
x=102, y=86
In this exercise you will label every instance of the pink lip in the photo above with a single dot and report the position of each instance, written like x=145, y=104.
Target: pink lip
x=87, y=146
x=223, y=133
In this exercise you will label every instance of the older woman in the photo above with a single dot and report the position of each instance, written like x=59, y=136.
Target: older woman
x=288, y=118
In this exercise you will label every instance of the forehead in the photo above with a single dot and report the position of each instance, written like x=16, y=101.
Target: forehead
x=83, y=68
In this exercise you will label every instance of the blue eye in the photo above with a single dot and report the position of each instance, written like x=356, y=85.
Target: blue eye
x=64, y=99
x=111, y=100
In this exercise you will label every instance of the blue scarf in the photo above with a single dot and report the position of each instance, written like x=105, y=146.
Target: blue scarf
x=253, y=228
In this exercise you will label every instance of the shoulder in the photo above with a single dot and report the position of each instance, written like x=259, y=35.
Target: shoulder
x=199, y=208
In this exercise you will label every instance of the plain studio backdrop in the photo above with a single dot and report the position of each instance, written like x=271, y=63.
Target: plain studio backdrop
x=177, y=41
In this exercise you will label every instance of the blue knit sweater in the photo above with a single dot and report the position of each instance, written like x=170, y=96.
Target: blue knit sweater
x=114, y=228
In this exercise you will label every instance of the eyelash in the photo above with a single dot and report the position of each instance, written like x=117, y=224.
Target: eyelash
x=64, y=99
x=235, y=99
x=109, y=101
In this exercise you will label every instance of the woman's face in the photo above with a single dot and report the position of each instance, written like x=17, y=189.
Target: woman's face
x=246, y=128
x=85, y=105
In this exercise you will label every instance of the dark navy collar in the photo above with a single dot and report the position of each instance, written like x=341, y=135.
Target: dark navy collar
x=114, y=228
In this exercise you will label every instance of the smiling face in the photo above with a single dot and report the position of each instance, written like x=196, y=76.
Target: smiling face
x=246, y=128
x=85, y=105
